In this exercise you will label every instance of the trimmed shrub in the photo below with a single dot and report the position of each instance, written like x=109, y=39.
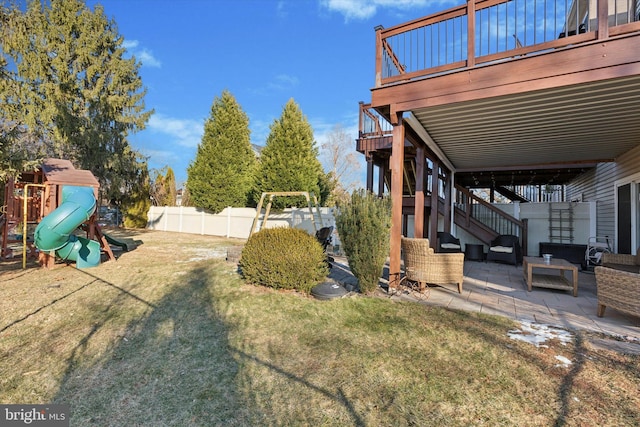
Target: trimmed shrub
x=283, y=258
x=135, y=214
x=364, y=225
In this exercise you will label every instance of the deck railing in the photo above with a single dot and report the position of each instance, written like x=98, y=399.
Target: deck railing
x=373, y=130
x=484, y=31
x=372, y=123
x=492, y=217
x=540, y=193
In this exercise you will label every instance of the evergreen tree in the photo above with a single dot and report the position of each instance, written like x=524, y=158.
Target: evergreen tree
x=135, y=203
x=73, y=90
x=289, y=160
x=163, y=187
x=170, y=186
x=364, y=224
x=133, y=198
x=18, y=151
x=221, y=174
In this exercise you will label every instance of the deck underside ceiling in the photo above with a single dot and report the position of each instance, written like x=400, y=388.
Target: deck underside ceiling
x=584, y=123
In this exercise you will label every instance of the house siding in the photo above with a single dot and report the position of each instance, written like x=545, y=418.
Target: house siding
x=598, y=185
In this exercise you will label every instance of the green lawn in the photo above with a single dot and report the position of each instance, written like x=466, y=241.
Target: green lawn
x=170, y=335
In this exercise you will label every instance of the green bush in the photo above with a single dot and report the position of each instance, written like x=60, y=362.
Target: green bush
x=364, y=225
x=283, y=258
x=135, y=214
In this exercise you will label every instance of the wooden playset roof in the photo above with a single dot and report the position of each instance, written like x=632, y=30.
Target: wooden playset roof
x=62, y=172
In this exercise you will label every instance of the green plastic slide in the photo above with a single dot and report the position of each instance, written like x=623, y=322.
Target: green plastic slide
x=54, y=233
x=124, y=246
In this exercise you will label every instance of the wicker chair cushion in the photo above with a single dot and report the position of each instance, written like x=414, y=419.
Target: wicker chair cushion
x=450, y=246
x=502, y=249
x=623, y=267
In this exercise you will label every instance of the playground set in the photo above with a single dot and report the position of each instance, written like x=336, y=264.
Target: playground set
x=54, y=201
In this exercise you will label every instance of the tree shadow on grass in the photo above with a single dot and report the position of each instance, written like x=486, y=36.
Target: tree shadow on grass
x=337, y=396
x=572, y=386
x=172, y=366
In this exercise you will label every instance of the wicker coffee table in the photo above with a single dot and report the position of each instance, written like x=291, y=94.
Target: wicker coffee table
x=553, y=281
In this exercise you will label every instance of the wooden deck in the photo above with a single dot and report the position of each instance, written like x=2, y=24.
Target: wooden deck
x=519, y=87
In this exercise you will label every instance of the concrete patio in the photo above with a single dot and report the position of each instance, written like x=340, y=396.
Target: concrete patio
x=500, y=289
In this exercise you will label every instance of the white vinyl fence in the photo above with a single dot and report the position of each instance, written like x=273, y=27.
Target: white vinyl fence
x=233, y=222
x=236, y=222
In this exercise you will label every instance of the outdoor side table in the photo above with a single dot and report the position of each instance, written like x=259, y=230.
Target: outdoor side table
x=474, y=252
x=553, y=281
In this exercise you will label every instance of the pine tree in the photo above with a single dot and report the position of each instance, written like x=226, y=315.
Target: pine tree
x=134, y=199
x=170, y=186
x=364, y=224
x=84, y=96
x=289, y=160
x=163, y=187
x=18, y=150
x=221, y=174
x=136, y=203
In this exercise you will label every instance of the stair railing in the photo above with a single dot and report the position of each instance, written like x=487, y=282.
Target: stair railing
x=490, y=216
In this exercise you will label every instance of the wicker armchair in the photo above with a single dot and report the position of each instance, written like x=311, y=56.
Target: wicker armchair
x=618, y=289
x=505, y=248
x=624, y=262
x=423, y=265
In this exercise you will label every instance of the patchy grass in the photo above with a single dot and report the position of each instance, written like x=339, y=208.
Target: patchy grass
x=170, y=335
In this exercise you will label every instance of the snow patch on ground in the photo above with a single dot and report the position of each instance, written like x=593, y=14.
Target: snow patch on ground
x=201, y=254
x=538, y=334
x=564, y=362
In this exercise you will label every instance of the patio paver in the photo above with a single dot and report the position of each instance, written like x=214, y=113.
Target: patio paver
x=499, y=289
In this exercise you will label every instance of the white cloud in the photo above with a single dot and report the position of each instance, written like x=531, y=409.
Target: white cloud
x=363, y=9
x=147, y=58
x=186, y=132
x=159, y=156
x=281, y=9
x=352, y=9
x=144, y=55
x=279, y=83
x=130, y=44
x=283, y=81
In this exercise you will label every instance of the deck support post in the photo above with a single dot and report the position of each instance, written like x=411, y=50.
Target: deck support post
x=448, y=189
x=433, y=216
x=418, y=223
x=396, y=165
x=369, y=172
x=382, y=173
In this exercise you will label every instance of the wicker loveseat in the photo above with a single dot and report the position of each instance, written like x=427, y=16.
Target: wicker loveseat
x=422, y=265
x=618, y=283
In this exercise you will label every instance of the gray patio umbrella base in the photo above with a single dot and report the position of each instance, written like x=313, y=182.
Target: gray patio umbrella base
x=328, y=290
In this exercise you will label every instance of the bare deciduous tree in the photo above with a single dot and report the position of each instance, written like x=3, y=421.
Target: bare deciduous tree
x=341, y=158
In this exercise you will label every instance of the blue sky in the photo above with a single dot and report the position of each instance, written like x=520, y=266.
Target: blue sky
x=321, y=53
